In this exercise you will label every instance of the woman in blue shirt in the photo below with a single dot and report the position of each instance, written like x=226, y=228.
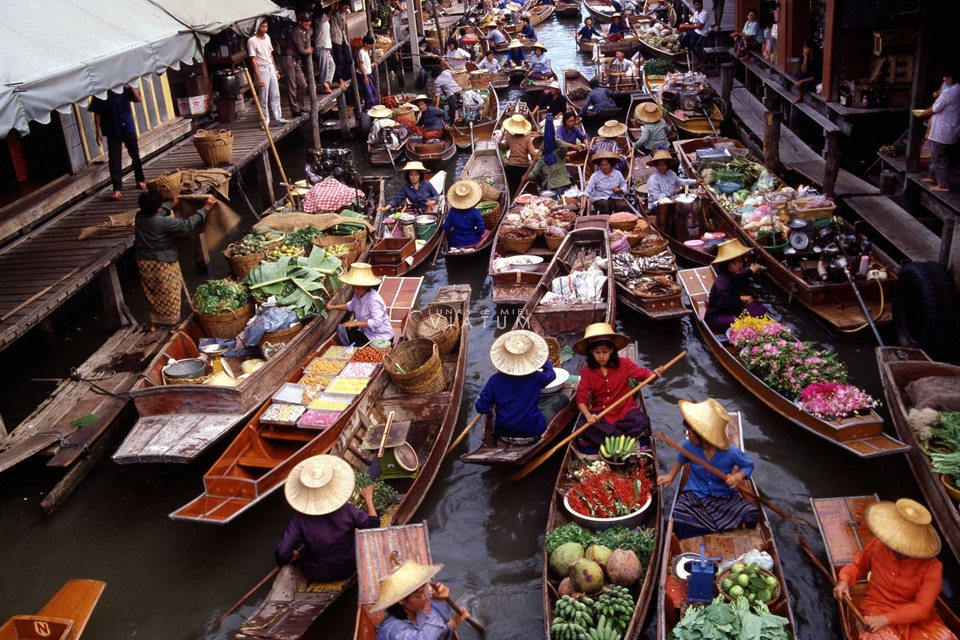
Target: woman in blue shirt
x=527, y=30
x=570, y=133
x=707, y=504
x=464, y=222
x=418, y=192
x=515, y=55
x=588, y=32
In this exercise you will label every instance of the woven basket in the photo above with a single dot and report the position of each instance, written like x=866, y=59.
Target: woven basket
x=489, y=192
x=437, y=328
x=405, y=114
x=428, y=148
x=812, y=214
x=240, y=266
x=553, y=351
x=553, y=242
x=419, y=361
x=169, y=184
x=623, y=226
x=215, y=147
x=514, y=245
x=462, y=78
x=226, y=324
x=491, y=215
x=480, y=79
x=650, y=249
x=674, y=290
x=273, y=340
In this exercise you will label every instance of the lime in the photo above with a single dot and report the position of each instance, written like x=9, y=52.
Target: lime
x=726, y=584
x=751, y=597
x=737, y=568
x=743, y=580
x=764, y=596
x=736, y=591
x=772, y=581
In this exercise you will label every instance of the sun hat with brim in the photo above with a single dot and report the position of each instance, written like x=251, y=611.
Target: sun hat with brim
x=319, y=485
x=599, y=332
x=380, y=111
x=649, y=112
x=403, y=581
x=539, y=45
x=729, y=250
x=905, y=527
x=414, y=166
x=519, y=353
x=513, y=6
x=465, y=194
x=553, y=85
x=605, y=155
x=517, y=124
x=612, y=129
x=662, y=154
x=515, y=44
x=420, y=98
x=360, y=275
x=709, y=419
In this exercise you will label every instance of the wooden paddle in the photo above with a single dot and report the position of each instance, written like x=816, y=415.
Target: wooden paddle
x=833, y=582
x=463, y=434
x=543, y=457
x=473, y=623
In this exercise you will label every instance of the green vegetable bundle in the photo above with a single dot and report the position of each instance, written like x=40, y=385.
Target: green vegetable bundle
x=731, y=621
x=215, y=296
x=301, y=284
x=947, y=427
x=658, y=67
x=384, y=496
x=303, y=238
x=946, y=463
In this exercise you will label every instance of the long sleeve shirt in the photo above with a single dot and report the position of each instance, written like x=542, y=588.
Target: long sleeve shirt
x=517, y=56
x=496, y=37
x=433, y=118
x=116, y=114
x=338, y=27
x=539, y=63
x=556, y=174
x=155, y=234
x=515, y=399
x=571, y=136
x=301, y=42
x=529, y=33
x=446, y=84
x=601, y=186
x=457, y=59
x=945, y=122
x=464, y=227
x=701, y=482
x=599, y=99
x=599, y=391
x=653, y=135
x=492, y=66
x=724, y=299
x=417, y=196
x=329, y=552
x=619, y=27
x=371, y=308
x=427, y=626
x=664, y=186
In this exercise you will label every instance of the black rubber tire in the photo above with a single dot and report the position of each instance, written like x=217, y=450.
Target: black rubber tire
x=925, y=309
x=421, y=82
x=366, y=122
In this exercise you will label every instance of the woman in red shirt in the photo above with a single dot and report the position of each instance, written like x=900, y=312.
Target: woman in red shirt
x=605, y=379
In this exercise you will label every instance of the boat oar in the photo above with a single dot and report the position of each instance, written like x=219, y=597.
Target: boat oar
x=856, y=290
x=386, y=430
x=833, y=582
x=473, y=623
x=464, y=433
x=543, y=457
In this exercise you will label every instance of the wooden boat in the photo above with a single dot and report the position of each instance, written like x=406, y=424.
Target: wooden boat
x=680, y=58
x=390, y=256
x=381, y=154
x=898, y=368
x=466, y=134
x=532, y=93
x=551, y=322
x=667, y=307
x=616, y=80
x=573, y=79
x=695, y=125
x=630, y=44
x=261, y=457
x=431, y=154
x=653, y=519
x=64, y=617
x=844, y=530
x=861, y=435
x=538, y=14
x=567, y=8
x=727, y=545
x=484, y=163
x=599, y=10
x=293, y=604
x=797, y=274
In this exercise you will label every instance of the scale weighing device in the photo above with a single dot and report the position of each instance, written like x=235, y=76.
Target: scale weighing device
x=398, y=459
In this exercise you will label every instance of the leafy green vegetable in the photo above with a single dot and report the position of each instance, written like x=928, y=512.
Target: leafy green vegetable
x=658, y=67
x=303, y=238
x=214, y=296
x=640, y=541
x=947, y=426
x=946, y=463
x=384, y=496
x=722, y=620
x=568, y=533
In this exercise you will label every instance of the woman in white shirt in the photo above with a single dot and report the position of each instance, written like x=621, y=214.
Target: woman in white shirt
x=748, y=38
x=456, y=57
x=490, y=63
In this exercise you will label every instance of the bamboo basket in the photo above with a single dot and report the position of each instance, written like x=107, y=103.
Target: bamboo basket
x=674, y=291
x=488, y=192
x=624, y=226
x=429, y=148
x=419, y=362
x=215, y=147
x=553, y=242
x=650, y=249
x=226, y=324
x=240, y=266
x=553, y=351
x=812, y=215
x=491, y=215
x=405, y=114
x=271, y=341
x=516, y=245
x=168, y=184
x=463, y=78
x=437, y=322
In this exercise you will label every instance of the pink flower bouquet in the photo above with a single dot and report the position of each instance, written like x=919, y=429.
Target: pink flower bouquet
x=832, y=400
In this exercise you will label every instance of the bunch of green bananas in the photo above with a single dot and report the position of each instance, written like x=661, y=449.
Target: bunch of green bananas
x=615, y=604
x=573, y=619
x=617, y=449
x=603, y=631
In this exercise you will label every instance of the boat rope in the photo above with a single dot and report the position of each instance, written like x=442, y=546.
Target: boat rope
x=63, y=443
x=77, y=377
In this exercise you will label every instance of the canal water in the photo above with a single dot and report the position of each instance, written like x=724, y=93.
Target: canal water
x=166, y=579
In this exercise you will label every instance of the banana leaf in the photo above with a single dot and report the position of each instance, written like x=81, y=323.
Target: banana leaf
x=313, y=280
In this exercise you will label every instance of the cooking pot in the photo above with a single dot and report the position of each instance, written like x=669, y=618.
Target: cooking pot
x=186, y=369
x=670, y=100
x=688, y=217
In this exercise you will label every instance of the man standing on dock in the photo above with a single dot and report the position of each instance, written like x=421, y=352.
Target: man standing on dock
x=324, y=49
x=260, y=49
x=340, y=38
x=944, y=130
x=113, y=118
x=296, y=50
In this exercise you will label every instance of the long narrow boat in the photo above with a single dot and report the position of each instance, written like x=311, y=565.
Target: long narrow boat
x=898, y=368
x=861, y=435
x=293, y=604
x=567, y=8
x=667, y=305
x=575, y=81
x=696, y=125
x=389, y=260
x=431, y=154
x=599, y=10
x=649, y=33
x=485, y=163
x=797, y=274
x=531, y=90
x=727, y=545
x=64, y=617
x=564, y=323
x=616, y=80
x=538, y=14
x=629, y=44
x=844, y=530
x=261, y=457
x=467, y=134
x=653, y=519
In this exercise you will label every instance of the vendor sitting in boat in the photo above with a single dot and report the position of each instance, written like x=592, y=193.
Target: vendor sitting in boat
x=599, y=99
x=654, y=130
x=418, y=192
x=608, y=139
x=494, y=36
x=553, y=102
x=463, y=223
x=516, y=57
x=588, y=32
x=527, y=30
x=523, y=370
x=605, y=379
x=706, y=504
x=622, y=65
x=490, y=63
x=618, y=28
x=319, y=488
x=432, y=119
x=665, y=183
x=570, y=133
x=606, y=187
x=727, y=300
x=414, y=606
x=904, y=575
x=540, y=64
x=371, y=321
x=552, y=176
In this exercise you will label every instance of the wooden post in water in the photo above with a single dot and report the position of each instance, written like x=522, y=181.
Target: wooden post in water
x=265, y=178
x=413, y=35
x=727, y=70
x=831, y=164
x=342, y=112
x=771, y=140
x=312, y=88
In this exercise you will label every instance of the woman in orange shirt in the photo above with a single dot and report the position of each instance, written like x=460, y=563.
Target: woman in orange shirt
x=905, y=575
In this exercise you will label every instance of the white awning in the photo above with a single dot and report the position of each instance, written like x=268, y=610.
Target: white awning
x=213, y=16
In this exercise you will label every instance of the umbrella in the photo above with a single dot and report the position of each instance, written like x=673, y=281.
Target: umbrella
x=549, y=140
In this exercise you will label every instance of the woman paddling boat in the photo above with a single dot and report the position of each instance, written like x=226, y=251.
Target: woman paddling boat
x=727, y=300
x=371, y=320
x=414, y=606
x=421, y=195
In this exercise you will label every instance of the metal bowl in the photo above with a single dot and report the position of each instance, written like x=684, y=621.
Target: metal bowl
x=186, y=369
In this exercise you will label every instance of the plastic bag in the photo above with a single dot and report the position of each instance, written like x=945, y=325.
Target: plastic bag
x=620, y=246
x=766, y=182
x=272, y=319
x=762, y=558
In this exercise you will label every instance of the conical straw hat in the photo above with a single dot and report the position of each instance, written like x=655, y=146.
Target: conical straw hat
x=465, y=194
x=517, y=124
x=518, y=353
x=380, y=111
x=515, y=44
x=360, y=275
x=614, y=158
x=539, y=45
x=709, y=419
x=662, y=154
x=598, y=332
x=403, y=581
x=319, y=485
x=416, y=165
x=729, y=250
x=648, y=112
x=612, y=129
x=905, y=527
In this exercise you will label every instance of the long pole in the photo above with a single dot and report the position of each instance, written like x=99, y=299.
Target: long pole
x=463, y=434
x=266, y=129
x=833, y=582
x=473, y=623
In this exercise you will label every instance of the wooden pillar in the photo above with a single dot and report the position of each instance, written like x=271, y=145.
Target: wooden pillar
x=312, y=88
x=771, y=140
x=770, y=98
x=265, y=180
x=342, y=112
x=727, y=70
x=919, y=98
x=413, y=34
x=46, y=327
x=794, y=28
x=946, y=241
x=112, y=296
x=436, y=23
x=831, y=165
x=832, y=35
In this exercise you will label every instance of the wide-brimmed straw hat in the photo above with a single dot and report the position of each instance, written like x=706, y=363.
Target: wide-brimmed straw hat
x=380, y=111
x=616, y=14
x=649, y=112
x=517, y=124
x=662, y=154
x=598, y=332
x=612, y=129
x=539, y=45
x=729, y=250
x=360, y=275
x=465, y=194
x=709, y=419
x=489, y=22
x=519, y=352
x=403, y=581
x=905, y=527
x=319, y=485
x=515, y=44
x=513, y=6
x=605, y=155
x=414, y=166
x=553, y=85
x=421, y=98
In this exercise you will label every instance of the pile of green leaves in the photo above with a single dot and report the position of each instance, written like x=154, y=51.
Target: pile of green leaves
x=658, y=67
x=947, y=427
x=384, y=496
x=214, y=296
x=640, y=541
x=751, y=170
x=301, y=284
x=738, y=620
x=303, y=238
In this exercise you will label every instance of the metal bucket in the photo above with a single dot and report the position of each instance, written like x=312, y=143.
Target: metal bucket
x=666, y=218
x=426, y=227
x=671, y=101
x=688, y=217
x=407, y=225
x=186, y=369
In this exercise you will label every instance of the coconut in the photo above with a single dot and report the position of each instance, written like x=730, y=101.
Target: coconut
x=599, y=554
x=566, y=588
x=586, y=576
x=624, y=568
x=563, y=557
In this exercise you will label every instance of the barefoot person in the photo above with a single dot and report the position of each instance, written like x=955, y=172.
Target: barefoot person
x=113, y=118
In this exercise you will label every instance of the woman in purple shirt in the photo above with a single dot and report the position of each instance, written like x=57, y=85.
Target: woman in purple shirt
x=727, y=300
x=319, y=488
x=570, y=133
x=371, y=321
